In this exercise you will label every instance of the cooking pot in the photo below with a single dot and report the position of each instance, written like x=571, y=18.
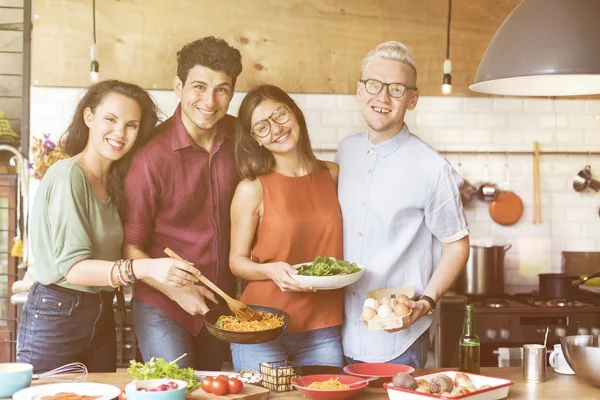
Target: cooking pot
x=561, y=286
x=484, y=272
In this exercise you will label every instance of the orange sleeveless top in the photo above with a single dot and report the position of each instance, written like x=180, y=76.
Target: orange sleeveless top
x=301, y=220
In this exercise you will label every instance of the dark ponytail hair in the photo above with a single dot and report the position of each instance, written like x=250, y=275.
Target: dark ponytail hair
x=75, y=139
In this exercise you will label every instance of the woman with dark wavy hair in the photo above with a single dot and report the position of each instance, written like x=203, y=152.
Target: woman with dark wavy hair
x=77, y=236
x=284, y=212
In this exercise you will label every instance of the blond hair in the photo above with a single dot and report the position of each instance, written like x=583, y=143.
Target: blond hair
x=391, y=50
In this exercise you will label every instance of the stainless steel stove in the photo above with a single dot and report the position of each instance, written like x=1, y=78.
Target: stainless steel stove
x=514, y=320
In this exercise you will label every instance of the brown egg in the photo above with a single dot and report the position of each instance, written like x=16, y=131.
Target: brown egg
x=368, y=314
x=385, y=300
x=401, y=310
x=401, y=298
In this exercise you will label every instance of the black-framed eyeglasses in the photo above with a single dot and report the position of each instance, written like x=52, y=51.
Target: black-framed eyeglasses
x=280, y=116
x=396, y=90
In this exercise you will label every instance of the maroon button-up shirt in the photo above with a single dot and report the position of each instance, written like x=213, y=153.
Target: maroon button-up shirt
x=179, y=196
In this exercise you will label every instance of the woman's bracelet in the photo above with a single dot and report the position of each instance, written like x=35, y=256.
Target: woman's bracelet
x=129, y=271
x=119, y=276
x=110, y=271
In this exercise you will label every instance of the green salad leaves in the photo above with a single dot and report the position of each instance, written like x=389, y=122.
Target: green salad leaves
x=328, y=266
x=158, y=368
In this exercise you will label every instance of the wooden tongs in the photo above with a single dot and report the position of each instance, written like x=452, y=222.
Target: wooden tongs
x=242, y=311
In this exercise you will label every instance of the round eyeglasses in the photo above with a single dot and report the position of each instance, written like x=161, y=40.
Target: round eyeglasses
x=396, y=90
x=280, y=116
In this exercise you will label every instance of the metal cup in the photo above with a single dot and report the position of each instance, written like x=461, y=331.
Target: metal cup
x=534, y=363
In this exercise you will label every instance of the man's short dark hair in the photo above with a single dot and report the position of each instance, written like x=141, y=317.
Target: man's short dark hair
x=210, y=52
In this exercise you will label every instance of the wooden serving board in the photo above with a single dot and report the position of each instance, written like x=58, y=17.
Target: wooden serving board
x=248, y=392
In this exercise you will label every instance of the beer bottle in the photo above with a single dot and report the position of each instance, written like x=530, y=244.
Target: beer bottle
x=468, y=344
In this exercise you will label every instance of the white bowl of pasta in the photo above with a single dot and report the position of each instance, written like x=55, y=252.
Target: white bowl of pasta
x=329, y=386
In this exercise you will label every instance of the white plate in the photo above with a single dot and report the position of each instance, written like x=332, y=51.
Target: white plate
x=108, y=392
x=328, y=282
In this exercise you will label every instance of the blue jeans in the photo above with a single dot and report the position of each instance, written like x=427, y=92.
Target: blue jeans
x=318, y=347
x=59, y=326
x=161, y=336
x=415, y=355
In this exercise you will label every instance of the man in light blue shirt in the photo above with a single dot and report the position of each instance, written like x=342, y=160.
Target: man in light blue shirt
x=403, y=217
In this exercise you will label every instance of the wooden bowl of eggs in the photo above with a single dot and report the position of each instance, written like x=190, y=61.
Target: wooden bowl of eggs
x=386, y=308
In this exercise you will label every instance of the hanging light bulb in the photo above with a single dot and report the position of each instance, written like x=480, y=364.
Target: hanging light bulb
x=95, y=65
x=447, y=82
x=447, y=85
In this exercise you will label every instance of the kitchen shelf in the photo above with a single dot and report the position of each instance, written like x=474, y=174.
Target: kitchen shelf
x=500, y=152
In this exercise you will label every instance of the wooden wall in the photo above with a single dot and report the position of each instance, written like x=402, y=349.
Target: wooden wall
x=309, y=46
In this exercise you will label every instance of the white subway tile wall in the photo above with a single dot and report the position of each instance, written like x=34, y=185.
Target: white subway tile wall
x=570, y=219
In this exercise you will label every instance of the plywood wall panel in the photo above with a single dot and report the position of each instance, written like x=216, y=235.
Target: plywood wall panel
x=11, y=41
x=11, y=86
x=310, y=46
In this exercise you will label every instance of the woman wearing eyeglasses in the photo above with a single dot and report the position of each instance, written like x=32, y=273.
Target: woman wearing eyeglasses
x=284, y=212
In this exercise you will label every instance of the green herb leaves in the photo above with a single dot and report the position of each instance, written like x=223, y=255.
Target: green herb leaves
x=327, y=266
x=159, y=368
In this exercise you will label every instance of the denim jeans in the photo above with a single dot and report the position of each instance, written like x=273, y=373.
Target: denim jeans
x=161, y=336
x=318, y=347
x=415, y=355
x=59, y=326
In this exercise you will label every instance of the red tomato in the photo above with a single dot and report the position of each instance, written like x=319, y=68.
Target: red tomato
x=222, y=378
x=122, y=395
x=206, y=384
x=219, y=387
x=234, y=385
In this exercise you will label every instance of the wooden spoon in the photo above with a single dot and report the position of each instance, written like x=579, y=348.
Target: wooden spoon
x=242, y=311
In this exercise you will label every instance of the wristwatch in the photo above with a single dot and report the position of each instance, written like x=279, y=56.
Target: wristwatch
x=427, y=299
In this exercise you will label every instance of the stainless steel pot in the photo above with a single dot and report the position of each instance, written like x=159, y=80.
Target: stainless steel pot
x=484, y=272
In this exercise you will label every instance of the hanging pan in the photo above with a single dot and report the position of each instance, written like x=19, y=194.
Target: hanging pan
x=507, y=207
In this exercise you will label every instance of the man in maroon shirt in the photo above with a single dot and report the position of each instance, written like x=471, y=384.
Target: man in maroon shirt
x=179, y=189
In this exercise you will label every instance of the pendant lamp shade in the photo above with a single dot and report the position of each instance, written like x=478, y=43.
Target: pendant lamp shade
x=544, y=48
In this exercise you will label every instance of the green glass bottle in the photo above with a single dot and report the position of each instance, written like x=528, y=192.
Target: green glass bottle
x=468, y=344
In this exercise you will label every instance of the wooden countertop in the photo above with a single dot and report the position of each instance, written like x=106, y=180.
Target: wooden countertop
x=556, y=386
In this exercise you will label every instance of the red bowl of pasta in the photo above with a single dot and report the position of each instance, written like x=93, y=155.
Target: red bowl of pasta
x=329, y=386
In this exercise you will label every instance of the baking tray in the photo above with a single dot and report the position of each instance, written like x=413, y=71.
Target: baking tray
x=498, y=390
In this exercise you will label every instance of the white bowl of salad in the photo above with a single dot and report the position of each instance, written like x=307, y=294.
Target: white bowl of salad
x=328, y=273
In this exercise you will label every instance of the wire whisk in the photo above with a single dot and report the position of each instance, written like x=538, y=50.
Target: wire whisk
x=73, y=372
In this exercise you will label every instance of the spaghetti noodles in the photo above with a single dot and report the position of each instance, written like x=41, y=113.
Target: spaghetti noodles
x=268, y=321
x=330, y=384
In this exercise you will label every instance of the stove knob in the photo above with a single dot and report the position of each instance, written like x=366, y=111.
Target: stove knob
x=560, y=332
x=504, y=333
x=583, y=331
x=595, y=331
x=490, y=334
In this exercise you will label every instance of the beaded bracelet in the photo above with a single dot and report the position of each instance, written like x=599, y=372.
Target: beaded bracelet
x=129, y=271
x=133, y=273
x=110, y=271
x=119, y=276
x=125, y=275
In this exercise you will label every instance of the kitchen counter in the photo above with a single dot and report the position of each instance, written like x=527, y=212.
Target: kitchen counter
x=453, y=298
x=556, y=387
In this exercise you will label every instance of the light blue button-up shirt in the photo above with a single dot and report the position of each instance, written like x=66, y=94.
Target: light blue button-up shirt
x=399, y=201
